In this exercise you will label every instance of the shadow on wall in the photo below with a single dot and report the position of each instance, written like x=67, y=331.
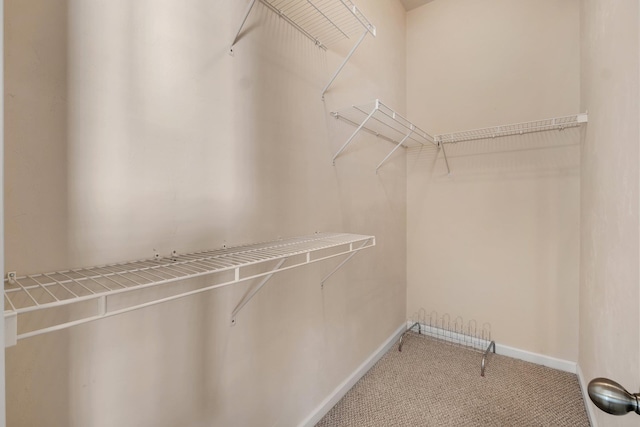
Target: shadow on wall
x=547, y=153
x=36, y=195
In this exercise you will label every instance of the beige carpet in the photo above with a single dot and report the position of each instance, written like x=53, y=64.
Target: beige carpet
x=431, y=383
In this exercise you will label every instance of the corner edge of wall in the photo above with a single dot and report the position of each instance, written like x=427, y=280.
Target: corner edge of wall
x=342, y=389
x=585, y=396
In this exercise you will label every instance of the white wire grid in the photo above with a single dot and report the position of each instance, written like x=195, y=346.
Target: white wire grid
x=326, y=22
x=378, y=119
x=42, y=291
x=557, y=123
x=384, y=123
x=452, y=331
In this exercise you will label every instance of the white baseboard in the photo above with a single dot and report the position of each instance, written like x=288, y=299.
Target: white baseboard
x=516, y=353
x=590, y=407
x=538, y=359
x=346, y=385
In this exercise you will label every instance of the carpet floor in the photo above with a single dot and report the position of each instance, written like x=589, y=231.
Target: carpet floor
x=431, y=383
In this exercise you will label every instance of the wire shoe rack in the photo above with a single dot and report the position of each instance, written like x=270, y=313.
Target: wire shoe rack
x=455, y=332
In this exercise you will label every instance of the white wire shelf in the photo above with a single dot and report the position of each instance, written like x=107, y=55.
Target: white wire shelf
x=30, y=293
x=557, y=123
x=325, y=22
x=378, y=119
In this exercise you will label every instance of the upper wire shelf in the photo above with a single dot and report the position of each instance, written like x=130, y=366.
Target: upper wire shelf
x=380, y=120
x=325, y=22
x=557, y=123
x=96, y=284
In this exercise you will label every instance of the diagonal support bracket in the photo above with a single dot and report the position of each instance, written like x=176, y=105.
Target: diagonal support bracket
x=254, y=290
x=444, y=153
x=344, y=261
x=244, y=20
x=407, y=136
x=353, y=135
x=353, y=49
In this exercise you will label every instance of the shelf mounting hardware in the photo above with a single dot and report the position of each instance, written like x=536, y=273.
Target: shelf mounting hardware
x=254, y=290
x=444, y=154
x=353, y=135
x=344, y=62
x=378, y=119
x=244, y=20
x=400, y=144
x=344, y=261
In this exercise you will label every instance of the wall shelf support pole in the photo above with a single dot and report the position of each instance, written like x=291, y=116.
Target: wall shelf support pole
x=353, y=49
x=254, y=290
x=396, y=147
x=344, y=261
x=244, y=20
x=353, y=135
x=444, y=153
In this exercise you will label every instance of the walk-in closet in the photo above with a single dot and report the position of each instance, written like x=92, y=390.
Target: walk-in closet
x=321, y=212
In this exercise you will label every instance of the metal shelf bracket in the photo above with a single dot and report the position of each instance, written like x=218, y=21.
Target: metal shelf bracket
x=244, y=20
x=346, y=59
x=344, y=261
x=378, y=119
x=94, y=286
x=444, y=154
x=395, y=148
x=254, y=290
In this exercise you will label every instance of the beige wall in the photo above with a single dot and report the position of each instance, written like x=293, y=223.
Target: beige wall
x=609, y=278
x=498, y=240
x=130, y=128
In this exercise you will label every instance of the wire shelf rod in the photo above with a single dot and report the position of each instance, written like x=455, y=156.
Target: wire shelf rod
x=387, y=125
x=76, y=283
x=557, y=123
x=365, y=128
x=324, y=22
x=405, y=126
x=17, y=281
x=73, y=295
x=389, y=120
x=404, y=121
x=99, y=283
